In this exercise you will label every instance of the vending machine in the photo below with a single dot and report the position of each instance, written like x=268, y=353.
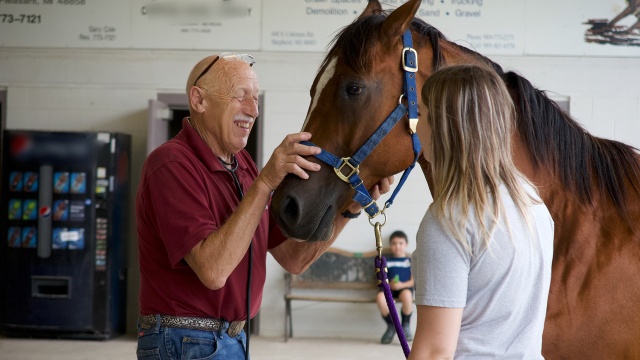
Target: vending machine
x=64, y=226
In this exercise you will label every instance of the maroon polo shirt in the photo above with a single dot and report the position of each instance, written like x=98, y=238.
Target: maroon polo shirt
x=184, y=195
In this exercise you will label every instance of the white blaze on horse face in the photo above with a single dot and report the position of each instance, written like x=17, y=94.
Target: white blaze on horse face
x=327, y=74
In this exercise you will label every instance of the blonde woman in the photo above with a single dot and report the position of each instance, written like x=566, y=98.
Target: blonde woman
x=482, y=264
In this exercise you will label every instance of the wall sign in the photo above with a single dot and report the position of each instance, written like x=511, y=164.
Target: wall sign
x=140, y=24
x=310, y=25
x=491, y=27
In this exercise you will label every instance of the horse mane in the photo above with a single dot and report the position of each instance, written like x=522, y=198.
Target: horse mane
x=555, y=139
x=558, y=142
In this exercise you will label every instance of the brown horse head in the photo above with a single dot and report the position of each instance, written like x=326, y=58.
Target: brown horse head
x=358, y=85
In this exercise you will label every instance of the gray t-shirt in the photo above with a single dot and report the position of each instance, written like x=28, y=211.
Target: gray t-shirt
x=503, y=290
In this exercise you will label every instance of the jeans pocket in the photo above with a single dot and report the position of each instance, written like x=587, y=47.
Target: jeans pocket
x=194, y=348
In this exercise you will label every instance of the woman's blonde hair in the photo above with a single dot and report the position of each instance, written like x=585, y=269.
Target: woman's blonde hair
x=471, y=117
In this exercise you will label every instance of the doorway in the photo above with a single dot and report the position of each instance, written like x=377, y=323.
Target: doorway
x=165, y=122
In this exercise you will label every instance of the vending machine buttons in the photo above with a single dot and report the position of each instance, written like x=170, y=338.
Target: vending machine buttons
x=101, y=244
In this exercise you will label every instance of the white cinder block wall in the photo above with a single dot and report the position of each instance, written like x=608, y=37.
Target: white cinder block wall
x=73, y=89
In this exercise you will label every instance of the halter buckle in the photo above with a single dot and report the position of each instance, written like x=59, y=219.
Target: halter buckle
x=408, y=67
x=354, y=170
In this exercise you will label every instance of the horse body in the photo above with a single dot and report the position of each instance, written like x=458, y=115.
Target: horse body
x=594, y=298
x=591, y=186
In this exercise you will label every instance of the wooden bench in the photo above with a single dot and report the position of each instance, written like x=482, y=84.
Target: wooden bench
x=348, y=277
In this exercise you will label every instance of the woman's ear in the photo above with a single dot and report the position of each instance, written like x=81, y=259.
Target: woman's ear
x=196, y=99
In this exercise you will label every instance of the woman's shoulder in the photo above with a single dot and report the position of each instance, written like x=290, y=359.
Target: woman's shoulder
x=432, y=225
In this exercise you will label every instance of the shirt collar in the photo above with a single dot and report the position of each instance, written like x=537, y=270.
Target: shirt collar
x=202, y=150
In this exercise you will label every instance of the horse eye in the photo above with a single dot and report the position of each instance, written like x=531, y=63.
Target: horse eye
x=354, y=90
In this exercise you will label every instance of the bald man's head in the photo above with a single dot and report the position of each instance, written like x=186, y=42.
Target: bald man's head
x=204, y=68
x=198, y=71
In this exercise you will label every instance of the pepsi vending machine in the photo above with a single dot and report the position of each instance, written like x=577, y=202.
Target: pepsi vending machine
x=64, y=223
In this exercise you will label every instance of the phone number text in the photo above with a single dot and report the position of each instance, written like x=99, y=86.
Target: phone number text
x=20, y=18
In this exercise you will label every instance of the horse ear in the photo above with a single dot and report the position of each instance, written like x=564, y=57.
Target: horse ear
x=373, y=7
x=399, y=20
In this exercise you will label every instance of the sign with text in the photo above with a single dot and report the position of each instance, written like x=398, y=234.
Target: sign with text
x=307, y=25
x=65, y=23
x=141, y=24
x=310, y=25
x=491, y=27
x=196, y=24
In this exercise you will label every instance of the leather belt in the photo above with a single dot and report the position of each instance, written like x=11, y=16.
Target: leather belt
x=193, y=323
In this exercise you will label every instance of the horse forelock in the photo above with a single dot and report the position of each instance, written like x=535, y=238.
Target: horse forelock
x=357, y=42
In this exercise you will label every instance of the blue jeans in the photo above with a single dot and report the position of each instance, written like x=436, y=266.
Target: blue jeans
x=166, y=343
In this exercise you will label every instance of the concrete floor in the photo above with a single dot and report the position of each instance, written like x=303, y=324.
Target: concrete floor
x=262, y=348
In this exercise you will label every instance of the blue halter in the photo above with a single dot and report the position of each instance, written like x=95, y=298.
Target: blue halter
x=347, y=168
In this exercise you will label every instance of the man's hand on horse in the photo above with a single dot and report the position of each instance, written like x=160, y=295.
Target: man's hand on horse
x=288, y=158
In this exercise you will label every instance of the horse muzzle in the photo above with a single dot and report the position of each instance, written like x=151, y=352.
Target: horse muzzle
x=305, y=209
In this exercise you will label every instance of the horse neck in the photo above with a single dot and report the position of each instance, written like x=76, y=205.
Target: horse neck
x=586, y=229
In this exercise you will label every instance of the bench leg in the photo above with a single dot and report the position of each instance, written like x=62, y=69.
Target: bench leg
x=290, y=321
x=287, y=319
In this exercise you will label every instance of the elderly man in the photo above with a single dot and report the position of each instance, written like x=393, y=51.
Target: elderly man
x=203, y=225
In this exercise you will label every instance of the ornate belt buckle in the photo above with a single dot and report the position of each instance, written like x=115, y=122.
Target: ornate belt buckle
x=235, y=328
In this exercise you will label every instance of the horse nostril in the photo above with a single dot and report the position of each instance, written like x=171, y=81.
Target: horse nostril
x=290, y=210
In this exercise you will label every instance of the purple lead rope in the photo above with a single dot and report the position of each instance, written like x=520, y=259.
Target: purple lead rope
x=383, y=283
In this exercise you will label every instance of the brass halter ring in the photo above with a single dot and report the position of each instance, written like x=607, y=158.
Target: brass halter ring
x=378, y=232
x=379, y=213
